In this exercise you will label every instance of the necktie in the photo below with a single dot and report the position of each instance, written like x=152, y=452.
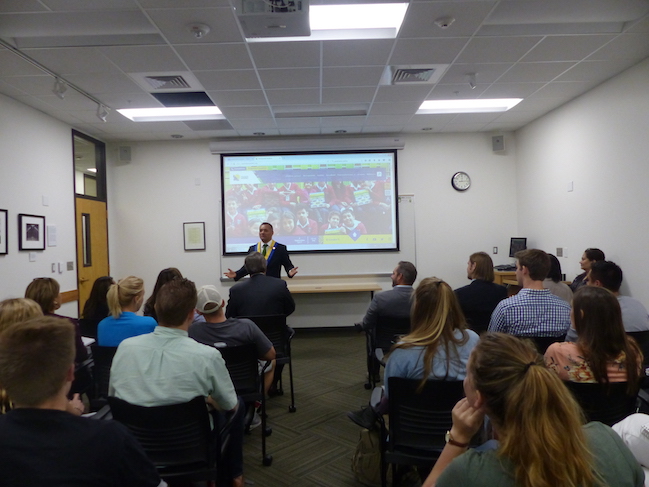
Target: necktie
x=263, y=252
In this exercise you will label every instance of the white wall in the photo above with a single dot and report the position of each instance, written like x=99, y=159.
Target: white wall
x=36, y=162
x=150, y=198
x=600, y=142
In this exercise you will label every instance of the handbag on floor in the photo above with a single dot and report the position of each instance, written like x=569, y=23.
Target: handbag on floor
x=366, y=461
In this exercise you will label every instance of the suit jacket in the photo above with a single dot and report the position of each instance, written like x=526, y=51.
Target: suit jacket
x=395, y=302
x=260, y=295
x=478, y=301
x=273, y=265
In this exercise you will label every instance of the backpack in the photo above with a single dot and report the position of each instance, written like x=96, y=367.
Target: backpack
x=366, y=461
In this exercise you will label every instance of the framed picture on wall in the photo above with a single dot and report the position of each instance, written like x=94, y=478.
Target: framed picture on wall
x=31, y=232
x=3, y=232
x=194, y=233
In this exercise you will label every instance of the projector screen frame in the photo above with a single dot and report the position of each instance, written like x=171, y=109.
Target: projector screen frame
x=251, y=239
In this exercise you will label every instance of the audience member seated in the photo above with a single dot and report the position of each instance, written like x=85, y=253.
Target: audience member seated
x=395, y=303
x=164, y=277
x=589, y=257
x=553, y=281
x=261, y=294
x=47, y=293
x=634, y=431
x=479, y=298
x=96, y=307
x=217, y=330
x=41, y=443
x=437, y=347
x=542, y=440
x=534, y=311
x=602, y=353
x=12, y=311
x=124, y=300
x=168, y=367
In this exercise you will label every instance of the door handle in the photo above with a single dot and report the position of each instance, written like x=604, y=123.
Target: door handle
x=83, y=279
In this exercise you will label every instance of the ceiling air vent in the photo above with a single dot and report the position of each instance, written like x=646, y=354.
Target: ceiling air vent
x=413, y=74
x=166, y=81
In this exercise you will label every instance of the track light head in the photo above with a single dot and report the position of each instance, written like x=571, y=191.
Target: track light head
x=60, y=87
x=102, y=112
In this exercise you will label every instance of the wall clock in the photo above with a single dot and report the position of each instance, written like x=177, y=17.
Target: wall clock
x=461, y=181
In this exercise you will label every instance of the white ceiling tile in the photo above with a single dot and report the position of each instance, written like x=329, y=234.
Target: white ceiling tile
x=421, y=16
x=143, y=59
x=72, y=60
x=395, y=108
x=286, y=54
x=497, y=49
x=428, y=51
x=208, y=57
x=362, y=52
x=402, y=93
x=308, y=96
x=233, y=98
x=262, y=112
x=484, y=73
x=595, y=70
x=511, y=90
x=13, y=65
x=290, y=78
x=566, y=48
x=628, y=46
x=354, y=76
x=348, y=95
x=228, y=80
x=173, y=24
x=106, y=83
x=534, y=72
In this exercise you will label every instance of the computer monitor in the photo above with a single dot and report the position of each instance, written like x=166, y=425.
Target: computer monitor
x=516, y=244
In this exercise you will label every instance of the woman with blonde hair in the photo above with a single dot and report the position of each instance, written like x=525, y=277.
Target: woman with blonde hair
x=124, y=300
x=47, y=293
x=542, y=441
x=437, y=347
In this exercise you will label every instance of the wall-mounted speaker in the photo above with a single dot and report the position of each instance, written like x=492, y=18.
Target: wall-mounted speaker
x=124, y=153
x=498, y=143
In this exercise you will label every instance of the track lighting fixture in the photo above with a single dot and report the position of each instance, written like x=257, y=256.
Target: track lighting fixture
x=102, y=112
x=60, y=87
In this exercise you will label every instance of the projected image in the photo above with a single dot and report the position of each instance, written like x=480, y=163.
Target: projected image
x=324, y=201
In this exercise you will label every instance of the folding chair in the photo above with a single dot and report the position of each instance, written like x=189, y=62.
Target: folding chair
x=242, y=364
x=275, y=328
x=103, y=359
x=418, y=422
x=642, y=339
x=177, y=438
x=542, y=343
x=606, y=403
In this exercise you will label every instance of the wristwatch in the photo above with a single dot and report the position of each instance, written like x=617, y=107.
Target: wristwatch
x=449, y=439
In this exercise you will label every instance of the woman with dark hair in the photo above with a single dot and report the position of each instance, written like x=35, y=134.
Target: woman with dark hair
x=589, y=256
x=603, y=352
x=164, y=277
x=553, y=281
x=96, y=307
x=437, y=347
x=541, y=437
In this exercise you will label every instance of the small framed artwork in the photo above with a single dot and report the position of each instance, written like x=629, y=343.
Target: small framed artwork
x=31, y=232
x=194, y=233
x=3, y=232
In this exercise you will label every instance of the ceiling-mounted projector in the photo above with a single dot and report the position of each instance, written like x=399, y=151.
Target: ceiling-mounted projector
x=274, y=18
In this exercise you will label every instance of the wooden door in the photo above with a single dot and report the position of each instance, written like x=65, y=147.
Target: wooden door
x=92, y=245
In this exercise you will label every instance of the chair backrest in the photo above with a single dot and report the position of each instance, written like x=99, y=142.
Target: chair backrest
x=606, y=403
x=103, y=359
x=389, y=329
x=642, y=339
x=274, y=327
x=242, y=364
x=88, y=327
x=173, y=435
x=420, y=420
x=542, y=343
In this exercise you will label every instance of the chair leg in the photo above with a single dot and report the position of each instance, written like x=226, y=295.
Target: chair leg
x=267, y=459
x=291, y=408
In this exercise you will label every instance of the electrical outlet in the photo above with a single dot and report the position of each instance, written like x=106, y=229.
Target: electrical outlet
x=70, y=265
x=559, y=251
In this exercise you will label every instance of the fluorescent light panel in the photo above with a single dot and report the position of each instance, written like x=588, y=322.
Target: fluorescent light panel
x=172, y=114
x=468, y=106
x=344, y=22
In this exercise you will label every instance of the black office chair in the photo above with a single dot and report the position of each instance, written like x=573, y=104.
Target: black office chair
x=542, y=343
x=242, y=364
x=177, y=438
x=418, y=422
x=280, y=334
x=103, y=359
x=88, y=327
x=606, y=403
x=642, y=339
x=379, y=340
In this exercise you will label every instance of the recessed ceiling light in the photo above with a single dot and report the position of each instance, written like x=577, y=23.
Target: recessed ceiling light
x=172, y=114
x=176, y=136
x=426, y=129
x=341, y=131
x=356, y=21
x=468, y=106
x=259, y=133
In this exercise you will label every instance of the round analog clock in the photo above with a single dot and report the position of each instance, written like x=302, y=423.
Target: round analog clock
x=461, y=181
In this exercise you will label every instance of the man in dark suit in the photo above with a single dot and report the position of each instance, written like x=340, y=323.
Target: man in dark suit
x=479, y=298
x=275, y=254
x=259, y=295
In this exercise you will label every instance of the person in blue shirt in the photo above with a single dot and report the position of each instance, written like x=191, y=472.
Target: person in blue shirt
x=124, y=300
